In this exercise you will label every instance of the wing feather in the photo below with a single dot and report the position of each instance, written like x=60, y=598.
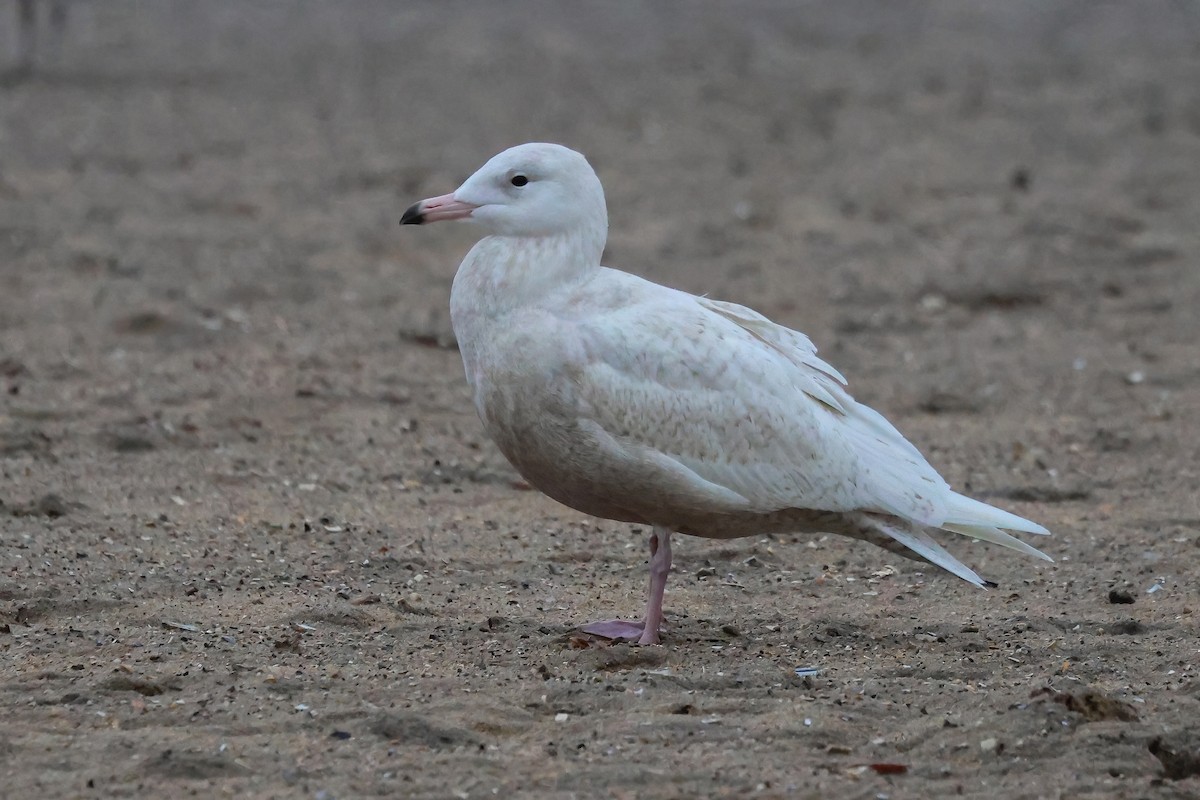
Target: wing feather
x=746, y=404
x=742, y=403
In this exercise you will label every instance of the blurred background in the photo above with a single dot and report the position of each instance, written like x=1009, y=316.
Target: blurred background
x=848, y=147
x=221, y=360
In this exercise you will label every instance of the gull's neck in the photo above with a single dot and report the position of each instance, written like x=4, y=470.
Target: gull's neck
x=502, y=273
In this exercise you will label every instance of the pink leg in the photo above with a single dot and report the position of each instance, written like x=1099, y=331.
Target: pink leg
x=660, y=569
x=646, y=631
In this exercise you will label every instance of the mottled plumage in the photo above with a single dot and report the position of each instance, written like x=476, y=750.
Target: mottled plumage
x=633, y=401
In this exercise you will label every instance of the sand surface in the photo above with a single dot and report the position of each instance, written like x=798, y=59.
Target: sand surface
x=255, y=544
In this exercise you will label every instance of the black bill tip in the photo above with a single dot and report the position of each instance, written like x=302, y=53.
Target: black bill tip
x=413, y=215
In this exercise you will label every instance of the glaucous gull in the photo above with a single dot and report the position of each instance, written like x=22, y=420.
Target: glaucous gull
x=632, y=401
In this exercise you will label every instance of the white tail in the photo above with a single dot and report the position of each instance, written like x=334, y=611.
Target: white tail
x=924, y=546
x=983, y=522
x=965, y=517
x=962, y=510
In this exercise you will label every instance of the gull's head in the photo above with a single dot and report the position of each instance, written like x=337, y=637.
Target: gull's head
x=528, y=190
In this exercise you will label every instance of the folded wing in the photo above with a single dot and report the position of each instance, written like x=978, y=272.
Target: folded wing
x=742, y=403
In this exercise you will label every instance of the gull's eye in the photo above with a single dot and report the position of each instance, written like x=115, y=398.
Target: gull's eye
x=519, y=180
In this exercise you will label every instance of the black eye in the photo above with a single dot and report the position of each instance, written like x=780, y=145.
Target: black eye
x=519, y=180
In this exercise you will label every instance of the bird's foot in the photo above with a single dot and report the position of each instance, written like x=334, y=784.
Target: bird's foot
x=622, y=629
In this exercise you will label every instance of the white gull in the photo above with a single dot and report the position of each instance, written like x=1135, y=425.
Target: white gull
x=636, y=402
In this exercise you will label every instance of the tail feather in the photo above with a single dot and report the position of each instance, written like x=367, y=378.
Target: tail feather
x=962, y=510
x=983, y=522
x=985, y=533
x=923, y=545
x=963, y=516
